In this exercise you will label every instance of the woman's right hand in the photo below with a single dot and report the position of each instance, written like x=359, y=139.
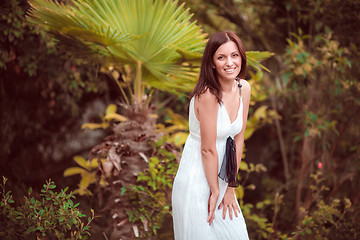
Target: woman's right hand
x=211, y=207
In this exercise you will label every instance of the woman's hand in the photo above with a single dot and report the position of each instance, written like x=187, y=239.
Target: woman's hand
x=229, y=202
x=211, y=206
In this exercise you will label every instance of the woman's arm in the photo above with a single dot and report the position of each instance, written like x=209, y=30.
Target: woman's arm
x=206, y=108
x=229, y=202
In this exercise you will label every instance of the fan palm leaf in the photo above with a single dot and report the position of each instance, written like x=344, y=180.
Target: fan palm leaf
x=156, y=36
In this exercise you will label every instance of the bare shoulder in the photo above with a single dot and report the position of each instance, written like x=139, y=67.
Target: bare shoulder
x=207, y=98
x=246, y=91
x=205, y=103
x=245, y=85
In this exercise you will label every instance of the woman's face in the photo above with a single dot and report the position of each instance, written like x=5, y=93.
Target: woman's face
x=227, y=61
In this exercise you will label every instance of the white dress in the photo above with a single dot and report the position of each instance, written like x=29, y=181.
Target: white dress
x=191, y=190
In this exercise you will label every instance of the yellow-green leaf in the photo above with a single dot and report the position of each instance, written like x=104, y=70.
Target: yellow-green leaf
x=260, y=112
x=83, y=192
x=94, y=163
x=273, y=114
x=102, y=181
x=243, y=166
x=260, y=168
x=87, y=179
x=111, y=109
x=115, y=116
x=180, y=138
x=95, y=125
x=248, y=133
x=81, y=161
x=239, y=192
x=73, y=171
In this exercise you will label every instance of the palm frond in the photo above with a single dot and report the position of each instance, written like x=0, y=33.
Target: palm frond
x=255, y=57
x=158, y=33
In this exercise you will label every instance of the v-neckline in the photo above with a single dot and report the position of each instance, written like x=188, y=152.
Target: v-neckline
x=237, y=114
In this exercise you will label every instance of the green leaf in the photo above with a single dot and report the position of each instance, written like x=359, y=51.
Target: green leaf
x=347, y=61
x=40, y=228
x=307, y=132
x=259, y=205
x=297, y=138
x=30, y=230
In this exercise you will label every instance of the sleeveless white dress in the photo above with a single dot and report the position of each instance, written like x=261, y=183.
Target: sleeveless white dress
x=191, y=190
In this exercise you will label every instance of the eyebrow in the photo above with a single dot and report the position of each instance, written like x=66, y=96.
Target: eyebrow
x=231, y=53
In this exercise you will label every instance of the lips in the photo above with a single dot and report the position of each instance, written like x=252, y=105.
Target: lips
x=229, y=70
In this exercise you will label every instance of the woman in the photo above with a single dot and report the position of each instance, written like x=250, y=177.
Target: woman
x=203, y=197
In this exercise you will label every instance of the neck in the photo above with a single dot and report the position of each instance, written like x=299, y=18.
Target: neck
x=227, y=86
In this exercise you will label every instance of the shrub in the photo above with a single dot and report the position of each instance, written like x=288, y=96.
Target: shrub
x=53, y=215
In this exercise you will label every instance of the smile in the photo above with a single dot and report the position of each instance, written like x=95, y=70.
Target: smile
x=229, y=70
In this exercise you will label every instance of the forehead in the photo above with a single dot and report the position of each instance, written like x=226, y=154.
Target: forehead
x=227, y=48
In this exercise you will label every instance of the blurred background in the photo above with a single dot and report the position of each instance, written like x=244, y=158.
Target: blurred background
x=111, y=130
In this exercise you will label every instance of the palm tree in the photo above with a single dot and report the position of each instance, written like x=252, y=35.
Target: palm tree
x=161, y=46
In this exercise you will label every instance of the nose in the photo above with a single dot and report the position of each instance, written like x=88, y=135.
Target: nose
x=228, y=62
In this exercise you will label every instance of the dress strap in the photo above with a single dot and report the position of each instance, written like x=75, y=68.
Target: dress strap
x=239, y=84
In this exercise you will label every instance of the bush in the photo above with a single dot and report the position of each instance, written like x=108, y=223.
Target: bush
x=53, y=215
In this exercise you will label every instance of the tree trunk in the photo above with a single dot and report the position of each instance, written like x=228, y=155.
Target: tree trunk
x=307, y=156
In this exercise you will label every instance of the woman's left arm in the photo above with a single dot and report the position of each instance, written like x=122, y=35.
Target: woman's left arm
x=229, y=201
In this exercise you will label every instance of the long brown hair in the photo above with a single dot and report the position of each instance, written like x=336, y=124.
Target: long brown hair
x=208, y=78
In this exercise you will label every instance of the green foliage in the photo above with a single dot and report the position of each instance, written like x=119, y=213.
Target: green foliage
x=317, y=223
x=176, y=127
x=156, y=37
x=29, y=50
x=42, y=93
x=13, y=31
x=255, y=57
x=319, y=82
x=52, y=215
x=258, y=224
x=150, y=198
x=262, y=115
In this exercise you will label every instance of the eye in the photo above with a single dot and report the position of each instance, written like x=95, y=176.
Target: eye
x=235, y=55
x=220, y=58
